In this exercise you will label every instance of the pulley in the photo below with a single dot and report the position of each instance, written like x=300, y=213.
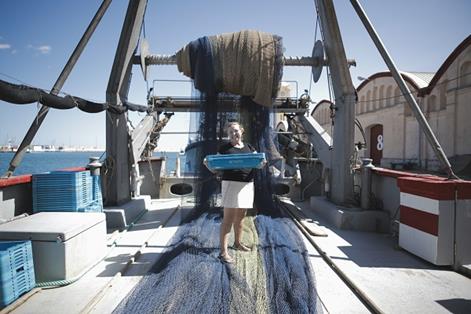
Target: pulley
x=318, y=60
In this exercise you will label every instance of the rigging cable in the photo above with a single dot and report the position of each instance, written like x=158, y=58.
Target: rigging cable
x=315, y=39
x=143, y=28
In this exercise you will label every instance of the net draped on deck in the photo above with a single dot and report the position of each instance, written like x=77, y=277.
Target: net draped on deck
x=275, y=277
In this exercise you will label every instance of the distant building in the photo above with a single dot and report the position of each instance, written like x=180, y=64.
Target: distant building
x=392, y=132
x=37, y=148
x=43, y=148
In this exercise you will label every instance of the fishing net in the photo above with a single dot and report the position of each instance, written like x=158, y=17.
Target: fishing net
x=276, y=276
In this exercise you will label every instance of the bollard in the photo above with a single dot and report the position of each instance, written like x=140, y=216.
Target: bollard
x=366, y=167
x=94, y=165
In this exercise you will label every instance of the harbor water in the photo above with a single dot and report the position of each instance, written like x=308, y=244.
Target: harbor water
x=39, y=162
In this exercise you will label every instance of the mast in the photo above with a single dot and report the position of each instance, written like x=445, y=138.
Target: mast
x=345, y=100
x=117, y=137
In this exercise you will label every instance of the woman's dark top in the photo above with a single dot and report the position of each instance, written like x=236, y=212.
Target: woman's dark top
x=242, y=175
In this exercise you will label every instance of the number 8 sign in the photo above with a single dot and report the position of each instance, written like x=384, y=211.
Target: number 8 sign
x=380, y=144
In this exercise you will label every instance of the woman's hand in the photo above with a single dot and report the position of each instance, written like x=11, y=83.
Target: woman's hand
x=205, y=162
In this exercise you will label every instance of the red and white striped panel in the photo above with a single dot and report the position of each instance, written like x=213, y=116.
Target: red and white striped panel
x=427, y=217
x=426, y=227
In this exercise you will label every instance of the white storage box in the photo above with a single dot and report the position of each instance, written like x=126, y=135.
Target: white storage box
x=65, y=244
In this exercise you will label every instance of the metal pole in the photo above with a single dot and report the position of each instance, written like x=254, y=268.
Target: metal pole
x=287, y=61
x=404, y=89
x=345, y=99
x=33, y=129
x=117, y=145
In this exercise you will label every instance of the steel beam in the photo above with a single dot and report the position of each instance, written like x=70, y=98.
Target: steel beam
x=36, y=124
x=345, y=99
x=188, y=104
x=287, y=61
x=117, y=136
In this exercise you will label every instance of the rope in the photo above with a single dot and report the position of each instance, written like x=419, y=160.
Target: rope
x=359, y=293
x=246, y=63
x=155, y=136
x=24, y=94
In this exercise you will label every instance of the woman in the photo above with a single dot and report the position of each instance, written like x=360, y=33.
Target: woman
x=237, y=189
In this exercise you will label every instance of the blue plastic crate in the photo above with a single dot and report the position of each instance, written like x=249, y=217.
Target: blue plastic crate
x=62, y=191
x=94, y=207
x=97, y=195
x=16, y=270
x=235, y=161
x=60, y=177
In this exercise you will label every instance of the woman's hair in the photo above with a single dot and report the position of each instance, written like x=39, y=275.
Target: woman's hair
x=231, y=123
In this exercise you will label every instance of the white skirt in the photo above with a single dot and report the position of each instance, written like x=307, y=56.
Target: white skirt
x=236, y=194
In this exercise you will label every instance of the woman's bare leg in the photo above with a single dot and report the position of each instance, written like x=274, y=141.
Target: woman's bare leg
x=241, y=212
x=226, y=225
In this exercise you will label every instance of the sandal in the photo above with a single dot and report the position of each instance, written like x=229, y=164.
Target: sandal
x=226, y=259
x=242, y=248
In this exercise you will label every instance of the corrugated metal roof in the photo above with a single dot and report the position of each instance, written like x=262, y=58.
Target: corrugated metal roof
x=422, y=79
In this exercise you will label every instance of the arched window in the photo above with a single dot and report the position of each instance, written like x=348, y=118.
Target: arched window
x=465, y=74
x=432, y=103
x=407, y=110
x=443, y=90
x=368, y=101
x=397, y=96
x=381, y=96
x=375, y=98
x=362, y=104
x=389, y=95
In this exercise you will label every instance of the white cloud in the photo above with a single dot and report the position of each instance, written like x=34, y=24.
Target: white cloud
x=5, y=46
x=44, y=49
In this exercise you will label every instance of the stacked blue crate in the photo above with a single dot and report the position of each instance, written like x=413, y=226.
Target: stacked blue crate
x=93, y=207
x=97, y=196
x=16, y=270
x=62, y=191
x=96, y=205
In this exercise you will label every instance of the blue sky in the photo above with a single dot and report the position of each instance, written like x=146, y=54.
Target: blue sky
x=37, y=38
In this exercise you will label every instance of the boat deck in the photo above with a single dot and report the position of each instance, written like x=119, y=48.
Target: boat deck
x=394, y=280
